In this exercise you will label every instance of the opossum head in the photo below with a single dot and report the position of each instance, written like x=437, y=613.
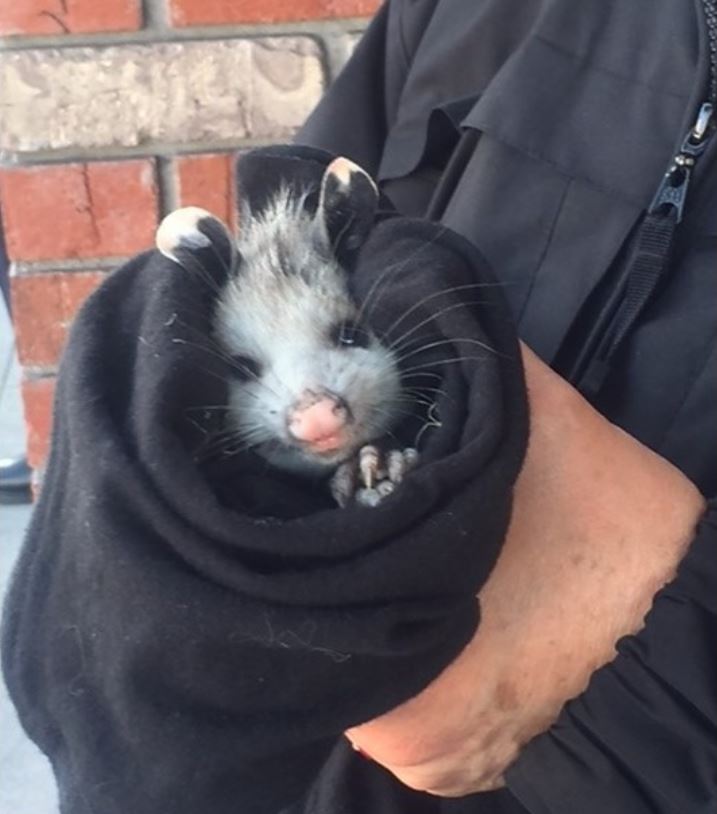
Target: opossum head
x=309, y=381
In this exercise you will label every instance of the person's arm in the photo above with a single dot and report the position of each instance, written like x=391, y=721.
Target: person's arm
x=643, y=737
x=600, y=524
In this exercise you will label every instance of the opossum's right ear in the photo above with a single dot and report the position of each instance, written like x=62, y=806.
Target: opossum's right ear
x=347, y=207
x=196, y=240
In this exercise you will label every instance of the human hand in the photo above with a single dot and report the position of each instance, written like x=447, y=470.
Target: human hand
x=599, y=525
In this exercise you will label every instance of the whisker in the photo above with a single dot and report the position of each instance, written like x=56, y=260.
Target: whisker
x=414, y=400
x=442, y=342
x=394, y=411
x=217, y=443
x=213, y=374
x=452, y=360
x=431, y=375
x=195, y=267
x=216, y=350
x=421, y=390
x=395, y=343
x=433, y=296
x=387, y=431
x=395, y=267
x=208, y=408
x=227, y=452
x=433, y=421
x=419, y=435
x=227, y=267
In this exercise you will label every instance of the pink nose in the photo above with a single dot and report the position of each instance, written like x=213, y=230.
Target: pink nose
x=319, y=421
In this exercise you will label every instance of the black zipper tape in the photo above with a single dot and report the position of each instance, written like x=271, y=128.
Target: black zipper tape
x=709, y=8
x=652, y=246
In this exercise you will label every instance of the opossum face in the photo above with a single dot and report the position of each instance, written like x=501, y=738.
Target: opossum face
x=310, y=383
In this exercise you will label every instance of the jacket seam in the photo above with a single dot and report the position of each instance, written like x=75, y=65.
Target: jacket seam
x=612, y=74
x=583, y=178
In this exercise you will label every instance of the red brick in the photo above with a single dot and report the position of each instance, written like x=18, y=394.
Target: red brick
x=217, y=12
x=38, y=395
x=79, y=210
x=44, y=306
x=69, y=16
x=208, y=181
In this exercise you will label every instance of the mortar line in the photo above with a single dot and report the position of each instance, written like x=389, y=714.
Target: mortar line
x=155, y=15
x=167, y=184
x=153, y=33
x=336, y=53
x=33, y=373
x=70, y=155
x=100, y=265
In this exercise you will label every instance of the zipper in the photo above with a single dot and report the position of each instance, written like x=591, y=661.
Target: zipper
x=652, y=245
x=709, y=9
x=672, y=192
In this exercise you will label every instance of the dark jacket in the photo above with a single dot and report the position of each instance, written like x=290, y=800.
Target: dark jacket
x=541, y=130
x=176, y=648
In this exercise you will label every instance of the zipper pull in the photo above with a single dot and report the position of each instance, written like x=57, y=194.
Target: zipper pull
x=672, y=191
x=699, y=131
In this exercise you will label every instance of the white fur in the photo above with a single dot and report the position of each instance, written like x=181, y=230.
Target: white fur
x=279, y=310
x=342, y=169
x=179, y=229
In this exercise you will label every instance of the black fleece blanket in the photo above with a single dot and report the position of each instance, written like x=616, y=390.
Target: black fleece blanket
x=186, y=636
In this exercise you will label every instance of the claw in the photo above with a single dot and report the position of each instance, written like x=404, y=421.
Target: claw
x=343, y=483
x=384, y=488
x=368, y=497
x=368, y=465
x=371, y=476
x=398, y=462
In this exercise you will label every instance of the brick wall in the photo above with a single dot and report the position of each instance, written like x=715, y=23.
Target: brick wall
x=115, y=112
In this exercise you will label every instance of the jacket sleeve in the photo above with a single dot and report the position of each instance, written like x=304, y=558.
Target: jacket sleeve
x=643, y=737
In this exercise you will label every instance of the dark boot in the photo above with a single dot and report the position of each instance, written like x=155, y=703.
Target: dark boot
x=15, y=478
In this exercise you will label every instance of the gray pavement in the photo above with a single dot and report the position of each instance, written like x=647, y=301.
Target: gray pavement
x=26, y=782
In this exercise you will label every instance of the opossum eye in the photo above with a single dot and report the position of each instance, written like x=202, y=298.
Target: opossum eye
x=245, y=368
x=350, y=334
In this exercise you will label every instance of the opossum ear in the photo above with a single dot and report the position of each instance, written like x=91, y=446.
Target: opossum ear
x=198, y=241
x=347, y=207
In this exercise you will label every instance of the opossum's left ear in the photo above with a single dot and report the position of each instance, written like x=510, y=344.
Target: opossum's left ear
x=198, y=241
x=347, y=207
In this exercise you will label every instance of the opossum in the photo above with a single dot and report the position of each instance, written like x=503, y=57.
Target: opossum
x=312, y=389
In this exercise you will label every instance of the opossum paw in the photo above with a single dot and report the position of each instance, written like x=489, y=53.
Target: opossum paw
x=371, y=475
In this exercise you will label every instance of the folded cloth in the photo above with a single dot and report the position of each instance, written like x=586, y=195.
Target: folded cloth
x=172, y=646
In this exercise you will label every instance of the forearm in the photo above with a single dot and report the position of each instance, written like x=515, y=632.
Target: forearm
x=616, y=520
x=643, y=737
x=600, y=523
